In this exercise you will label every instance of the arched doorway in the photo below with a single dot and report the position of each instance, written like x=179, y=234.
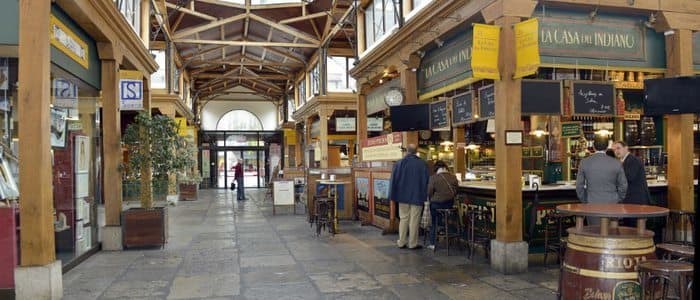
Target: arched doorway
x=239, y=120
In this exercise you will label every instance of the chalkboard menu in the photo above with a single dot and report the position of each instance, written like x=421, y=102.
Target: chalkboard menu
x=462, y=109
x=570, y=129
x=487, y=102
x=541, y=97
x=438, y=115
x=593, y=98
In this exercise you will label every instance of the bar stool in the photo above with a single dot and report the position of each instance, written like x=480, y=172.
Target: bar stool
x=676, y=274
x=449, y=216
x=554, y=239
x=323, y=217
x=679, y=245
x=479, y=233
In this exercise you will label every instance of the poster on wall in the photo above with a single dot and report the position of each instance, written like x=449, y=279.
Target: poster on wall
x=380, y=194
x=130, y=90
x=58, y=127
x=65, y=93
x=362, y=193
x=82, y=182
x=82, y=154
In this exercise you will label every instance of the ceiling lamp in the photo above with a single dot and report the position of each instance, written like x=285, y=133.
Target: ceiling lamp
x=604, y=132
x=472, y=146
x=539, y=132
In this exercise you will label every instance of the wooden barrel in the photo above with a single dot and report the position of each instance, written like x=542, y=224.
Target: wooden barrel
x=604, y=267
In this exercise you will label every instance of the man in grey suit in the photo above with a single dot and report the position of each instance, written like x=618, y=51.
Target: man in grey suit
x=600, y=178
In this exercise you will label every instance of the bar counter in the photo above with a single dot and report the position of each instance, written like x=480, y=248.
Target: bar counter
x=482, y=195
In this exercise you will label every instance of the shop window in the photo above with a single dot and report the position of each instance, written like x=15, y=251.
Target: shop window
x=158, y=79
x=75, y=147
x=131, y=10
x=315, y=80
x=301, y=89
x=381, y=16
x=338, y=78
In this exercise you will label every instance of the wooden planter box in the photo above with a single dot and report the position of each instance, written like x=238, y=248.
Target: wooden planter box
x=189, y=191
x=144, y=227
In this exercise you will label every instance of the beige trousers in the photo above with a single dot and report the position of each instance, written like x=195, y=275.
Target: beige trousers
x=408, y=224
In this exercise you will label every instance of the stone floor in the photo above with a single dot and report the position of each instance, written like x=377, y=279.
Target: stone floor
x=223, y=249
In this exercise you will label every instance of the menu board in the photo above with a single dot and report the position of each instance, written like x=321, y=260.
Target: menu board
x=593, y=98
x=487, y=102
x=541, y=97
x=462, y=109
x=438, y=115
x=569, y=129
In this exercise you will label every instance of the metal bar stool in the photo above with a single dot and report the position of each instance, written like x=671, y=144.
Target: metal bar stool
x=449, y=216
x=478, y=231
x=666, y=273
x=679, y=245
x=554, y=239
x=323, y=215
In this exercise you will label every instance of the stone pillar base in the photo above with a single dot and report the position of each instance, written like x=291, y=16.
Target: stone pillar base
x=112, y=238
x=509, y=257
x=42, y=282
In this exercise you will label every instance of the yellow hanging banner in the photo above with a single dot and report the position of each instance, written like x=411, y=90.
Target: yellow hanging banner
x=527, y=49
x=485, y=51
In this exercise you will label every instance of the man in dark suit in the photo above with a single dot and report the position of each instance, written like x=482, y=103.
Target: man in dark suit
x=409, y=187
x=637, y=190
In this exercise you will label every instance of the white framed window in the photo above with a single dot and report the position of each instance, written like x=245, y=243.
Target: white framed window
x=315, y=80
x=301, y=90
x=380, y=18
x=418, y=5
x=290, y=109
x=338, y=78
x=131, y=10
x=158, y=79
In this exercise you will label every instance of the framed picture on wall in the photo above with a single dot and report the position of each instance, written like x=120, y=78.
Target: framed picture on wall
x=82, y=154
x=58, y=127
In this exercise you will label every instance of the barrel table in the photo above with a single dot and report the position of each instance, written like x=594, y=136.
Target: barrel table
x=601, y=260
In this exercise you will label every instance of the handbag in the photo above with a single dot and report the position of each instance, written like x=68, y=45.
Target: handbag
x=452, y=190
x=233, y=185
x=425, y=221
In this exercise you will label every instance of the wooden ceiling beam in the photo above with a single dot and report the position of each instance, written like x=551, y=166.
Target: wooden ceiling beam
x=261, y=76
x=192, y=30
x=245, y=43
x=217, y=62
x=190, y=12
x=286, y=29
x=304, y=17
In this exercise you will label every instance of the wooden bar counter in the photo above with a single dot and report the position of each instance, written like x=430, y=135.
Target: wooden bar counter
x=601, y=260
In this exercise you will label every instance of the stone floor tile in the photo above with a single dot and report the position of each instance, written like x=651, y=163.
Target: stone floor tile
x=538, y=293
x=380, y=294
x=297, y=291
x=133, y=289
x=469, y=291
x=507, y=282
x=421, y=291
x=273, y=275
x=200, y=286
x=328, y=266
x=345, y=282
x=395, y=279
x=267, y=261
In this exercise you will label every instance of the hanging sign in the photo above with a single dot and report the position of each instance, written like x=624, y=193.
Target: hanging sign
x=485, y=51
x=344, y=124
x=386, y=147
x=375, y=124
x=181, y=126
x=130, y=90
x=66, y=41
x=462, y=109
x=593, y=98
x=570, y=129
x=527, y=50
x=65, y=93
x=487, y=102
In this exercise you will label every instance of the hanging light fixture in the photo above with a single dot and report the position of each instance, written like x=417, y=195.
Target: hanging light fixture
x=603, y=132
x=472, y=146
x=539, y=132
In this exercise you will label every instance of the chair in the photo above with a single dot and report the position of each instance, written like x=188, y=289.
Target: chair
x=677, y=241
x=478, y=231
x=324, y=208
x=450, y=226
x=554, y=239
x=677, y=275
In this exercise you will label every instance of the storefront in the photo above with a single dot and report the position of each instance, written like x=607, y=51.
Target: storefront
x=593, y=61
x=57, y=133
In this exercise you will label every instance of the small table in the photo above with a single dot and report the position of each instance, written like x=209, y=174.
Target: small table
x=334, y=184
x=607, y=211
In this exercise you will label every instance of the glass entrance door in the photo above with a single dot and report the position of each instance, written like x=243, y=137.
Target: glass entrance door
x=253, y=167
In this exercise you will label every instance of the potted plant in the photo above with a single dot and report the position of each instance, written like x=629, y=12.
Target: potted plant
x=152, y=144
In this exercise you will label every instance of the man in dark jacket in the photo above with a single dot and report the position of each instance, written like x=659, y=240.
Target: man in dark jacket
x=637, y=190
x=409, y=187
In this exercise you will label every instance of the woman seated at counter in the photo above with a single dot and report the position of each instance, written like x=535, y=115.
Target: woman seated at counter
x=442, y=189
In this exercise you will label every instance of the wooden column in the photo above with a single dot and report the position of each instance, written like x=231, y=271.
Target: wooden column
x=323, y=136
x=679, y=128
x=361, y=122
x=35, y=171
x=409, y=84
x=360, y=31
x=111, y=142
x=146, y=22
x=458, y=138
x=509, y=208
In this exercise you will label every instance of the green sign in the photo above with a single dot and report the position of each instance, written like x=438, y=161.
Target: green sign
x=627, y=290
x=696, y=49
x=569, y=129
x=445, y=65
x=601, y=39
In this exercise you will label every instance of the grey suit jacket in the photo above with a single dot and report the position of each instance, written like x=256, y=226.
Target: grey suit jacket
x=601, y=179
